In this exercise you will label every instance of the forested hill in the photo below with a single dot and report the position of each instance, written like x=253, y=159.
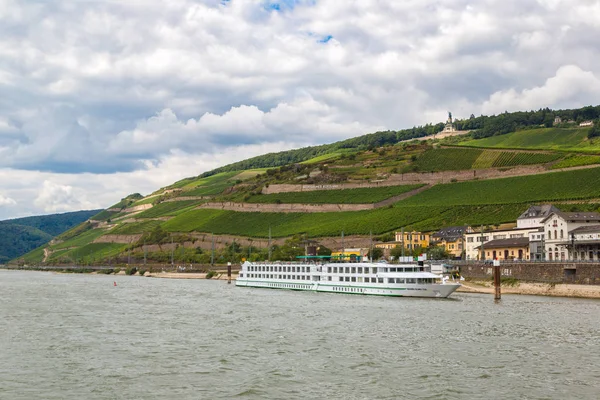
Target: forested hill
x=482, y=126
x=21, y=235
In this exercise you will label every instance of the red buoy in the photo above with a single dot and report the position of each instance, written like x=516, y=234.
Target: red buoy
x=114, y=283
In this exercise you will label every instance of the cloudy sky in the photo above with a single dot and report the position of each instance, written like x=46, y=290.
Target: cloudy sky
x=103, y=98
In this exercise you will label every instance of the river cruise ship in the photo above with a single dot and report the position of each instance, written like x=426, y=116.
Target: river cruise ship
x=402, y=280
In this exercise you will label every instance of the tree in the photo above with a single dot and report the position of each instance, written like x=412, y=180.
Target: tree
x=437, y=253
x=594, y=131
x=397, y=252
x=323, y=251
x=377, y=254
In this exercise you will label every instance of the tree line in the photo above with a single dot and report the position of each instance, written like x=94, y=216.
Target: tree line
x=481, y=127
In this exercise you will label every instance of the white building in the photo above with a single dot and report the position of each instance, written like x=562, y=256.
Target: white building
x=571, y=236
x=587, y=123
x=528, y=225
x=534, y=215
x=473, y=239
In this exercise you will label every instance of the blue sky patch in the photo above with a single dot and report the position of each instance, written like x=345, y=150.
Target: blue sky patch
x=283, y=5
x=325, y=39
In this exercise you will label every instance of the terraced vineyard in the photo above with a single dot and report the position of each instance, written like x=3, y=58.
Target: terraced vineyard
x=577, y=161
x=169, y=208
x=446, y=159
x=135, y=227
x=452, y=159
x=331, y=224
x=564, y=139
x=348, y=196
x=92, y=250
x=486, y=159
x=568, y=185
x=509, y=159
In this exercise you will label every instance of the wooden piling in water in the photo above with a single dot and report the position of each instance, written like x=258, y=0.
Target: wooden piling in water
x=498, y=293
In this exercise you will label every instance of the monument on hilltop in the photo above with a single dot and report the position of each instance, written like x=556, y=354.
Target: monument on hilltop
x=449, y=127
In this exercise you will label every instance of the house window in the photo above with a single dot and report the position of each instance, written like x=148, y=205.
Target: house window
x=561, y=234
x=555, y=237
x=470, y=239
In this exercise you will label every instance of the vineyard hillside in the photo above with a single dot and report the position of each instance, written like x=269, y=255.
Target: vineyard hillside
x=561, y=139
x=390, y=176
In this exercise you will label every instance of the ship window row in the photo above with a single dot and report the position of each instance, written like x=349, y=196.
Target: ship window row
x=274, y=276
x=351, y=270
x=411, y=280
x=277, y=268
x=372, y=270
x=360, y=279
x=348, y=289
x=289, y=286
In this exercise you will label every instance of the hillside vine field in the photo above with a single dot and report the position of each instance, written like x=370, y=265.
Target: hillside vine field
x=563, y=139
x=169, y=208
x=577, y=161
x=332, y=224
x=567, y=185
x=347, y=196
x=454, y=159
x=446, y=159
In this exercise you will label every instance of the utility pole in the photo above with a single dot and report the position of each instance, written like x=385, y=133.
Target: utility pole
x=402, y=236
x=212, y=249
x=482, y=240
x=343, y=245
x=145, y=252
x=129, y=255
x=269, y=257
x=371, y=245
x=172, y=250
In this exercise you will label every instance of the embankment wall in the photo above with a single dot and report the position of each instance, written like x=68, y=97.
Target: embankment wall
x=578, y=273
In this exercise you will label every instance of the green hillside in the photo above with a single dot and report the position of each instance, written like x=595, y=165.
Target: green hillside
x=562, y=139
x=499, y=143
x=21, y=235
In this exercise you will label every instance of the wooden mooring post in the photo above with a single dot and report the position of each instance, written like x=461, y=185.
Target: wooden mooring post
x=497, y=294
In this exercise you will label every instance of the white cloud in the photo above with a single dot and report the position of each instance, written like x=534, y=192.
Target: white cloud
x=54, y=197
x=117, y=100
x=6, y=201
x=568, y=88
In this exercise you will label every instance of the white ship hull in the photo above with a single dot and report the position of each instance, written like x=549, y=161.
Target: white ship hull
x=378, y=281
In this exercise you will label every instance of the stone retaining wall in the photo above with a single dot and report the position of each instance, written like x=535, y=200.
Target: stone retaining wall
x=430, y=178
x=308, y=208
x=579, y=273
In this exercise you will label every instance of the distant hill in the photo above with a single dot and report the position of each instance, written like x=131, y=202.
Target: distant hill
x=492, y=170
x=21, y=235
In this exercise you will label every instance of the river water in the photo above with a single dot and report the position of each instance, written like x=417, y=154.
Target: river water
x=81, y=337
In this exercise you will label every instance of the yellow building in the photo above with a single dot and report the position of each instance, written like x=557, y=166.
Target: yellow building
x=506, y=249
x=452, y=239
x=413, y=240
x=350, y=254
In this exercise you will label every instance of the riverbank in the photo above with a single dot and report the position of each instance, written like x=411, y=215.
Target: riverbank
x=538, y=289
x=187, y=275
